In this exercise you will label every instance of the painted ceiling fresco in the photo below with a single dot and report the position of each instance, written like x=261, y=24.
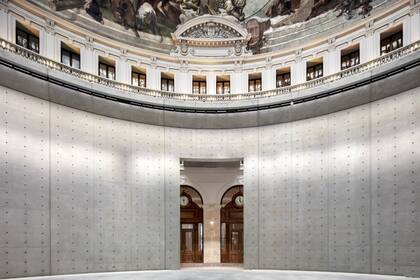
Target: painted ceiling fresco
x=161, y=17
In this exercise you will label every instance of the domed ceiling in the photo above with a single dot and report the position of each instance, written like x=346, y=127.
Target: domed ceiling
x=161, y=17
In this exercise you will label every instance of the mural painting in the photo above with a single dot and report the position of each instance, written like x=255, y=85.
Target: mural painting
x=161, y=17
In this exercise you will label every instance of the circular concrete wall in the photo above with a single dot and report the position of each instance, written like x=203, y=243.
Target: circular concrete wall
x=83, y=192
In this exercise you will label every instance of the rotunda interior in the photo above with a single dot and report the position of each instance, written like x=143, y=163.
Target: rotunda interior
x=209, y=139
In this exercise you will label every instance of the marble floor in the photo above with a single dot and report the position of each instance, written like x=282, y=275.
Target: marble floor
x=219, y=273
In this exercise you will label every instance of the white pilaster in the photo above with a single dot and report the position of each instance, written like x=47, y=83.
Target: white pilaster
x=268, y=78
x=407, y=31
x=332, y=60
x=88, y=57
x=11, y=28
x=183, y=82
x=370, y=45
x=415, y=26
x=298, y=72
x=47, y=41
x=211, y=83
x=3, y=23
x=152, y=77
x=123, y=70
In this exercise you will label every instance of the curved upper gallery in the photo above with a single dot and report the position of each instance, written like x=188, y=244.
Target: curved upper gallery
x=204, y=64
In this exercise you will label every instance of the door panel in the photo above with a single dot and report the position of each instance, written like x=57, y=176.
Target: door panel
x=231, y=232
x=191, y=243
x=187, y=250
x=191, y=229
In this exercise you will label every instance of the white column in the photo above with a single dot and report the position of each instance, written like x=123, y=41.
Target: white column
x=298, y=72
x=415, y=27
x=268, y=78
x=211, y=83
x=183, y=82
x=332, y=61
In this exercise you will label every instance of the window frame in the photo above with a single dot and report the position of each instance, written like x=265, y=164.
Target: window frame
x=254, y=84
x=108, y=67
x=223, y=83
x=72, y=55
x=315, y=68
x=167, y=82
x=29, y=37
x=282, y=75
x=347, y=59
x=139, y=75
x=200, y=86
x=387, y=42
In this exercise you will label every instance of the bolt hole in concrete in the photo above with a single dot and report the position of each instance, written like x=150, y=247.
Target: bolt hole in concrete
x=219, y=273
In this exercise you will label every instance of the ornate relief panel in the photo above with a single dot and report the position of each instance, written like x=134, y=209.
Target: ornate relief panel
x=211, y=36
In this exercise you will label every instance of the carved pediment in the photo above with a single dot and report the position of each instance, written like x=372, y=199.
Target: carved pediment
x=211, y=30
x=211, y=36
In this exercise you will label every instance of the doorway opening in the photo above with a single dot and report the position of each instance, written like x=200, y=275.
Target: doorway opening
x=211, y=201
x=232, y=225
x=191, y=225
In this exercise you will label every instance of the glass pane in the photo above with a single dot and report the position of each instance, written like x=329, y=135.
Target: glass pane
x=142, y=81
x=22, y=39
x=257, y=85
x=187, y=226
x=111, y=73
x=33, y=43
x=65, y=57
x=200, y=237
x=171, y=85
x=134, y=79
x=219, y=88
x=251, y=86
x=227, y=87
x=188, y=241
x=196, y=88
x=223, y=233
x=203, y=88
x=102, y=70
x=235, y=240
x=75, y=63
x=164, y=84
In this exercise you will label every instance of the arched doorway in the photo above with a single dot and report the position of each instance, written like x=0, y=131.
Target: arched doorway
x=191, y=204
x=232, y=225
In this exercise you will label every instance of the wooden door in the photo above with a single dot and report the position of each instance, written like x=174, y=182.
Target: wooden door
x=188, y=240
x=236, y=253
x=231, y=232
x=191, y=231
